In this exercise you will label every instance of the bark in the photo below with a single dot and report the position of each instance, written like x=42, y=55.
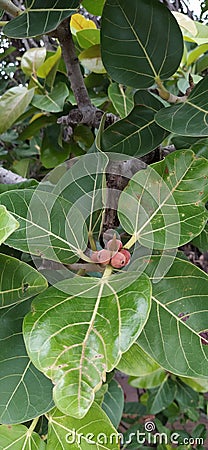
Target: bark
x=8, y=177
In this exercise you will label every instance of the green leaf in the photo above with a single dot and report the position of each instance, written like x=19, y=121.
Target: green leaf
x=186, y=396
x=197, y=384
x=138, y=133
x=91, y=59
x=87, y=38
x=12, y=104
x=113, y=403
x=178, y=316
x=17, y=437
x=149, y=381
x=121, y=98
x=23, y=185
x=53, y=101
x=24, y=283
x=188, y=118
x=201, y=241
x=46, y=227
x=39, y=18
x=137, y=363
x=51, y=153
x=163, y=397
x=94, y=430
x=36, y=125
x=79, y=329
x=194, y=54
x=32, y=60
x=134, y=50
x=8, y=224
x=94, y=7
x=25, y=392
x=163, y=205
x=48, y=65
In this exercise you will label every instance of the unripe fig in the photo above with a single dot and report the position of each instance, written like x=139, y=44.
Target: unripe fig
x=114, y=245
x=118, y=260
x=94, y=256
x=127, y=255
x=104, y=257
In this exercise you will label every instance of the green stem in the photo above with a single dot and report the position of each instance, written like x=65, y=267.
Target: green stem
x=33, y=425
x=131, y=242
x=38, y=84
x=92, y=241
x=108, y=271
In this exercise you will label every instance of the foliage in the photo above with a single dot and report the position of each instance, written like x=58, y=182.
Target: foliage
x=70, y=319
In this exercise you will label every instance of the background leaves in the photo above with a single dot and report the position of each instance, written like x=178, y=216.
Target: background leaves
x=8, y=224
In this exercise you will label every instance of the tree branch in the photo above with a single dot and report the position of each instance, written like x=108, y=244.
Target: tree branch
x=10, y=8
x=8, y=177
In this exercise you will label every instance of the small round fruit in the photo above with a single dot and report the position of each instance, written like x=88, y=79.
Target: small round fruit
x=94, y=256
x=114, y=245
x=118, y=260
x=127, y=255
x=104, y=257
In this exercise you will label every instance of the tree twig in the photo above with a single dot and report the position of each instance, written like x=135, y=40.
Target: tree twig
x=8, y=177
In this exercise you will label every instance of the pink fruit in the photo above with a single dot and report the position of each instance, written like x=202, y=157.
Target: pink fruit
x=104, y=257
x=118, y=260
x=114, y=245
x=94, y=256
x=126, y=254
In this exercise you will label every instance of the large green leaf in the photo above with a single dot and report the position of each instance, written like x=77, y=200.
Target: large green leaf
x=138, y=133
x=134, y=50
x=163, y=205
x=51, y=152
x=79, y=329
x=17, y=437
x=94, y=7
x=136, y=362
x=24, y=391
x=162, y=397
x=93, y=431
x=18, y=281
x=49, y=228
x=12, y=104
x=8, y=224
x=189, y=118
x=39, y=18
x=113, y=403
x=178, y=315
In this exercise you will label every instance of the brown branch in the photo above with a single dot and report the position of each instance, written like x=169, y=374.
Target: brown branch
x=8, y=177
x=10, y=8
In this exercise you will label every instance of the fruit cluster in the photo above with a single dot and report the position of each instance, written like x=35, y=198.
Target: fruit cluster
x=113, y=254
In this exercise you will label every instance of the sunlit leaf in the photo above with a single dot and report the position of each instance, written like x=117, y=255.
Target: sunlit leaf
x=12, y=104
x=136, y=362
x=78, y=23
x=32, y=60
x=8, y=224
x=87, y=38
x=134, y=50
x=91, y=59
x=94, y=430
x=79, y=329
